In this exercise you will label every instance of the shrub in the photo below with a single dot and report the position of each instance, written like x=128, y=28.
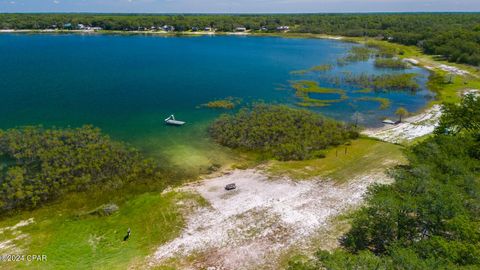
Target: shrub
x=38, y=165
x=280, y=131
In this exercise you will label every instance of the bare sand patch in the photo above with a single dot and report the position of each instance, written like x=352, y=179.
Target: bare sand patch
x=11, y=246
x=412, y=127
x=453, y=70
x=251, y=226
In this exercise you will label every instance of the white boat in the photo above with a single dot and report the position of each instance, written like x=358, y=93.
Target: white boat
x=390, y=122
x=171, y=121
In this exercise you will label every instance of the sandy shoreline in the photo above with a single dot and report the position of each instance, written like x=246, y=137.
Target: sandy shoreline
x=411, y=128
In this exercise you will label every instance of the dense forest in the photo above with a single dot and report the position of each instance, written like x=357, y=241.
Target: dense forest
x=38, y=165
x=456, y=36
x=280, y=131
x=430, y=217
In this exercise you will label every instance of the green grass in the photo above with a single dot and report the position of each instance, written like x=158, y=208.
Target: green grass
x=363, y=155
x=69, y=237
x=448, y=90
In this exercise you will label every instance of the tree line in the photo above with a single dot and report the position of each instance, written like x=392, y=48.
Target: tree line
x=456, y=36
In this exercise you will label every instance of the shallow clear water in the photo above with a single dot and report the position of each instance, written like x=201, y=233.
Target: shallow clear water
x=127, y=85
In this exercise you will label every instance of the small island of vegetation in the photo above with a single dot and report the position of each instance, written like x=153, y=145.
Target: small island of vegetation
x=228, y=103
x=384, y=82
x=304, y=88
x=280, y=131
x=390, y=63
x=319, y=68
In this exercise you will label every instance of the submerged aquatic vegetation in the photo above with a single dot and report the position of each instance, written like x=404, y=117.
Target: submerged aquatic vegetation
x=356, y=54
x=384, y=82
x=299, y=72
x=304, y=88
x=228, y=103
x=390, y=63
x=324, y=67
x=386, y=50
x=384, y=102
x=364, y=90
x=319, y=68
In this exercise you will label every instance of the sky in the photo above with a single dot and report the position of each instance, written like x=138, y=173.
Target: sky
x=237, y=6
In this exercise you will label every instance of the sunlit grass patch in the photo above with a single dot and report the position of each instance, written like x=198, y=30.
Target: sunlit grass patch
x=343, y=162
x=69, y=237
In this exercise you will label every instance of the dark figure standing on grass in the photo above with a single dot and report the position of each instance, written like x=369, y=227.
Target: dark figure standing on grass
x=127, y=236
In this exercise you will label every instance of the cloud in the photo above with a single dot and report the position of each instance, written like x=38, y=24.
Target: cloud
x=56, y=2
x=12, y=2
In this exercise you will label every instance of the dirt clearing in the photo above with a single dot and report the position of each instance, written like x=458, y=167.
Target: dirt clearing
x=249, y=227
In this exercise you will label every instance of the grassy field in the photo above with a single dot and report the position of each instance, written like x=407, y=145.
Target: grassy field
x=70, y=236
x=343, y=162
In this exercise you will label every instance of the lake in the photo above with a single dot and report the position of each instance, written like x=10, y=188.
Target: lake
x=127, y=85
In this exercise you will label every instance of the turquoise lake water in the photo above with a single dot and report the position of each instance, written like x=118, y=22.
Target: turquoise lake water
x=127, y=85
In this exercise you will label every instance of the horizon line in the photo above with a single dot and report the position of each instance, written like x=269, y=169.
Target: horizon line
x=245, y=13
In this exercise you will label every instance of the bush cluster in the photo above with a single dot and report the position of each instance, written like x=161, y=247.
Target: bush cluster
x=38, y=165
x=280, y=131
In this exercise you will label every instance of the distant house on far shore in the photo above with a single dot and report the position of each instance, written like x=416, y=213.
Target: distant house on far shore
x=67, y=25
x=168, y=28
x=263, y=28
x=240, y=29
x=283, y=28
x=208, y=29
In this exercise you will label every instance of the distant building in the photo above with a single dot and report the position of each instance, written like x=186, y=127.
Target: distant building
x=168, y=28
x=263, y=28
x=195, y=29
x=240, y=29
x=153, y=28
x=67, y=25
x=208, y=29
x=283, y=28
x=81, y=26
